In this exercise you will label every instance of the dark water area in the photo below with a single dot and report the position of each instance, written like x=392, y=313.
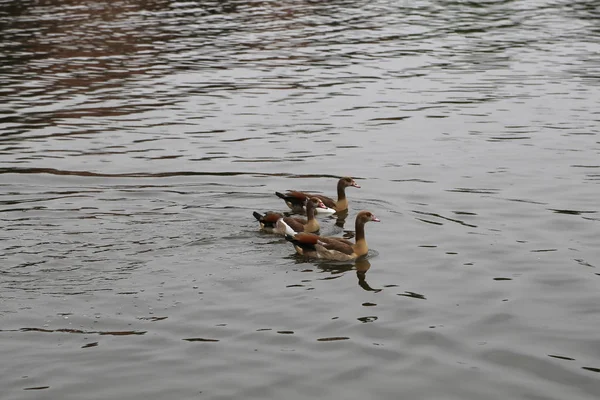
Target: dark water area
x=137, y=138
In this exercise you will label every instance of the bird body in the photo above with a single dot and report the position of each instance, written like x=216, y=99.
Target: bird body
x=274, y=222
x=334, y=248
x=295, y=199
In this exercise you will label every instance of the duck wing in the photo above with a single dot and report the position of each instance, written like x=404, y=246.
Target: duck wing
x=328, y=201
x=297, y=224
x=267, y=219
x=293, y=198
x=298, y=199
x=336, y=244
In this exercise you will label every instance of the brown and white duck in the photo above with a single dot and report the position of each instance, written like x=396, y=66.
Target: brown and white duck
x=295, y=199
x=334, y=248
x=274, y=222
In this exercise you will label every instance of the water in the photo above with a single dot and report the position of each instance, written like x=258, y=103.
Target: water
x=137, y=138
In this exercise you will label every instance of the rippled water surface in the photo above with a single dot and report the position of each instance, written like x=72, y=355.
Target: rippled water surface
x=137, y=138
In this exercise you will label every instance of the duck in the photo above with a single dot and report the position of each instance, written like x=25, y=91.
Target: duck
x=274, y=222
x=295, y=199
x=334, y=248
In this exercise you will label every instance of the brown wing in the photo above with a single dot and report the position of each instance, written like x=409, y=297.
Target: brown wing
x=268, y=219
x=328, y=201
x=297, y=195
x=271, y=217
x=303, y=196
x=348, y=242
x=294, y=199
x=298, y=198
x=297, y=224
x=337, y=244
x=301, y=220
x=306, y=238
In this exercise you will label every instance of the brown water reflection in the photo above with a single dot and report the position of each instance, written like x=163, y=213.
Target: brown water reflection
x=362, y=266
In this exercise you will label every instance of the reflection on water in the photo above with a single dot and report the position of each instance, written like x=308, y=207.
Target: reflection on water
x=337, y=268
x=137, y=137
x=340, y=219
x=362, y=266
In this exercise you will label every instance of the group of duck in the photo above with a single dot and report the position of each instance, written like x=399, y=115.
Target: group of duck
x=303, y=233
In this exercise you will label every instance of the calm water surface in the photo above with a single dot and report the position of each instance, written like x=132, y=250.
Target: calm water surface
x=137, y=138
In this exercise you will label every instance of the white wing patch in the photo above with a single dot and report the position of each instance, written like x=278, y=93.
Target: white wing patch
x=324, y=210
x=283, y=229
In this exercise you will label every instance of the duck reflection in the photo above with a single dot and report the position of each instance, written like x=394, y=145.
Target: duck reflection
x=340, y=218
x=362, y=266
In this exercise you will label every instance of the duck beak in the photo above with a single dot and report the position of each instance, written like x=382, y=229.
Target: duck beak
x=375, y=219
x=356, y=185
x=322, y=205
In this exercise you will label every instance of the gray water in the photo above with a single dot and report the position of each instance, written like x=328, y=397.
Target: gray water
x=137, y=138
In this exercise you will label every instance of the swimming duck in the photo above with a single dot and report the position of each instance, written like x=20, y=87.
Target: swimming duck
x=274, y=222
x=295, y=199
x=334, y=248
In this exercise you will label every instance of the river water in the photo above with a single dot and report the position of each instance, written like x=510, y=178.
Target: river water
x=137, y=138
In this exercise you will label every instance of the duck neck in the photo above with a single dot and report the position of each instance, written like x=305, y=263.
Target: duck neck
x=360, y=247
x=341, y=191
x=312, y=225
x=360, y=231
x=310, y=211
x=342, y=203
